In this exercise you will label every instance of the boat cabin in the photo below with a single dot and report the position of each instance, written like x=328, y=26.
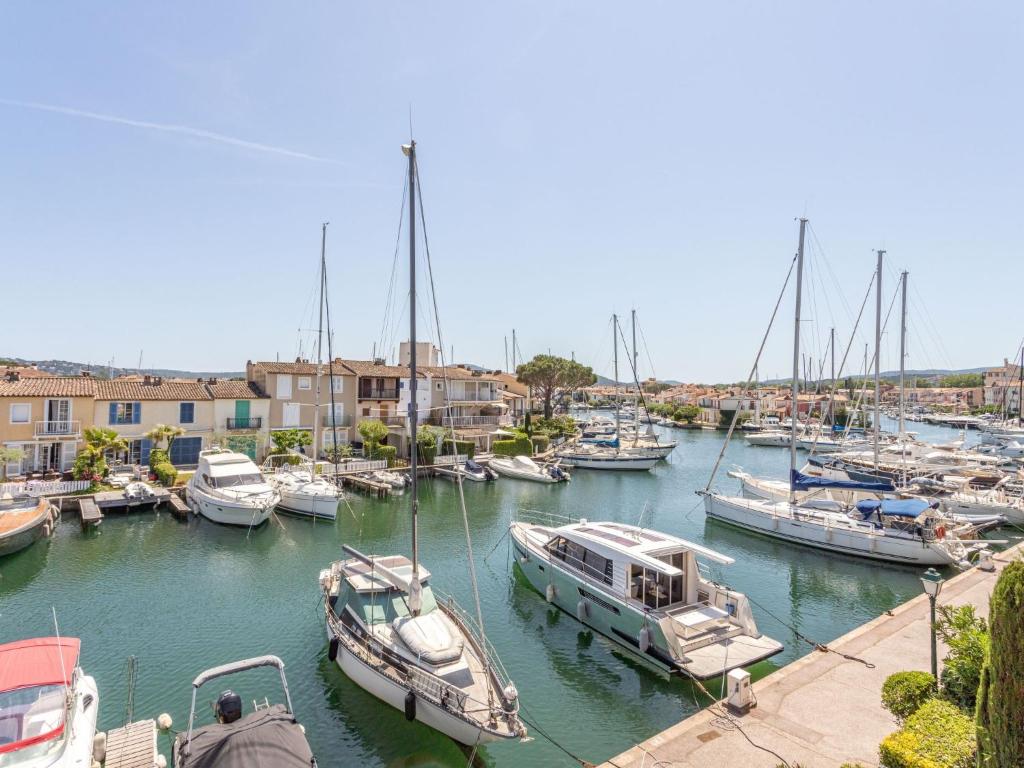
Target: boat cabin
x=226, y=469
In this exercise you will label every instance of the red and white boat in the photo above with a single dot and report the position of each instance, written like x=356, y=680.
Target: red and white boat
x=48, y=706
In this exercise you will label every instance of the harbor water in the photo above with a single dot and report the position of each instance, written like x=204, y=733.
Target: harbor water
x=181, y=597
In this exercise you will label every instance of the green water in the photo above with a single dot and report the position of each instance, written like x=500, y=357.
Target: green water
x=182, y=597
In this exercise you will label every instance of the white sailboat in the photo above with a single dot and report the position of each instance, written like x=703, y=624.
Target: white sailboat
x=390, y=633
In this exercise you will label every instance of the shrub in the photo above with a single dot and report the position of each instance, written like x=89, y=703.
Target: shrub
x=339, y=452
x=540, y=443
x=967, y=638
x=280, y=459
x=165, y=473
x=937, y=735
x=89, y=465
x=427, y=453
x=465, y=447
x=1000, y=712
x=387, y=452
x=158, y=456
x=904, y=692
x=519, y=446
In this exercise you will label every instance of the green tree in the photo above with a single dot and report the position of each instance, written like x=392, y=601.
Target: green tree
x=105, y=440
x=9, y=456
x=966, y=636
x=552, y=377
x=286, y=440
x=91, y=462
x=374, y=432
x=426, y=443
x=962, y=380
x=688, y=413
x=1000, y=710
x=164, y=432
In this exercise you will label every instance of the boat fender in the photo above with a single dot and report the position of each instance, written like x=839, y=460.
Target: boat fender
x=511, y=696
x=410, y=706
x=161, y=761
x=164, y=722
x=332, y=649
x=549, y=593
x=940, y=532
x=644, y=639
x=582, y=610
x=99, y=747
x=47, y=529
x=332, y=601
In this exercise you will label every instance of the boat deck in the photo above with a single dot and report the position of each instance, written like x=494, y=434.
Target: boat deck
x=13, y=519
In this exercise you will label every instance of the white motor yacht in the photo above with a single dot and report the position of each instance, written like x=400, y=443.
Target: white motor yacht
x=228, y=488
x=525, y=468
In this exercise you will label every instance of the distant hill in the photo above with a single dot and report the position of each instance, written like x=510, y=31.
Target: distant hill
x=923, y=373
x=69, y=368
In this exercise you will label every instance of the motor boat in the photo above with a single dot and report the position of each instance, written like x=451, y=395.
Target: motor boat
x=643, y=590
x=600, y=457
x=269, y=735
x=525, y=468
x=470, y=470
x=769, y=437
x=140, y=494
x=24, y=521
x=48, y=705
x=228, y=488
x=395, y=480
x=303, y=492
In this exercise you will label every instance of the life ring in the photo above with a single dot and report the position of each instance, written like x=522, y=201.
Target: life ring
x=940, y=532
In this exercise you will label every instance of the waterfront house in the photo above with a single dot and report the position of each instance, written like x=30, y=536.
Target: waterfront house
x=44, y=417
x=241, y=416
x=134, y=405
x=1002, y=387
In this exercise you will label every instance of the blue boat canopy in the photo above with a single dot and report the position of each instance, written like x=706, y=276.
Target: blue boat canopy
x=895, y=507
x=798, y=481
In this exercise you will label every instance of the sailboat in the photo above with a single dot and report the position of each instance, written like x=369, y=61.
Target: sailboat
x=399, y=640
x=609, y=454
x=910, y=531
x=303, y=492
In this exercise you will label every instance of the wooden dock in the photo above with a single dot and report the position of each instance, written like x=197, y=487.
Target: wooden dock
x=381, y=490
x=118, y=500
x=132, y=746
x=91, y=514
x=178, y=506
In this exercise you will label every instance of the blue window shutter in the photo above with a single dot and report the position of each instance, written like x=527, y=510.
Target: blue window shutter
x=137, y=413
x=147, y=446
x=113, y=413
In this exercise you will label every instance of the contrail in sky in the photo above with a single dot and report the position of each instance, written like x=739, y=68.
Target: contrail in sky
x=184, y=130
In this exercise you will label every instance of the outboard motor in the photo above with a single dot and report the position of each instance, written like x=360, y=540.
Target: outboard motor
x=556, y=472
x=228, y=707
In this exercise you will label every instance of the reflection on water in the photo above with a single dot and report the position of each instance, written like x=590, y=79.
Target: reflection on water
x=186, y=596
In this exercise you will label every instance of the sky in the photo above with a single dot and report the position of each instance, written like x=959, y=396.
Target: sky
x=165, y=170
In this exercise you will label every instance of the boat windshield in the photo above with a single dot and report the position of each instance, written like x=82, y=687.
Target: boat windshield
x=31, y=722
x=231, y=481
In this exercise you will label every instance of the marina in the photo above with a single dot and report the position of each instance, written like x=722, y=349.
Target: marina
x=131, y=586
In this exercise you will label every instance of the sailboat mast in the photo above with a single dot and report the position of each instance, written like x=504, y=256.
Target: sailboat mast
x=615, y=347
x=795, y=410
x=878, y=352
x=410, y=152
x=636, y=376
x=832, y=382
x=320, y=342
x=903, y=351
x=1020, y=388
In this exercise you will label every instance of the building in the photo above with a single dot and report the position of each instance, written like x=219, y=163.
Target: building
x=45, y=418
x=1001, y=387
x=241, y=416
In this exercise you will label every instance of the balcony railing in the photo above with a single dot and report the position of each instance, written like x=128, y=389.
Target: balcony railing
x=394, y=421
x=57, y=428
x=474, y=397
x=336, y=421
x=474, y=421
x=249, y=422
x=384, y=393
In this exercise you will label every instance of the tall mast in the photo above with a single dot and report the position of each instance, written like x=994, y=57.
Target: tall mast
x=832, y=382
x=878, y=350
x=903, y=350
x=1020, y=388
x=513, y=350
x=636, y=377
x=633, y=319
x=415, y=589
x=795, y=410
x=615, y=346
x=320, y=341
x=506, y=354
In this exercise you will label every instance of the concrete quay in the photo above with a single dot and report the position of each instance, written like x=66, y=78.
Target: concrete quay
x=823, y=710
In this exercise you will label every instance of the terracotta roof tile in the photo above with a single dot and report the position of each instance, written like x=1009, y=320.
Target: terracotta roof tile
x=49, y=386
x=119, y=389
x=302, y=368
x=235, y=390
x=370, y=368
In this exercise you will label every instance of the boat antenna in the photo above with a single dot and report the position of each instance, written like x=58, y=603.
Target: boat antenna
x=415, y=587
x=795, y=411
x=60, y=654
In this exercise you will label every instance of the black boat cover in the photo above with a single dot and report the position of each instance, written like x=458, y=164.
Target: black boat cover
x=269, y=738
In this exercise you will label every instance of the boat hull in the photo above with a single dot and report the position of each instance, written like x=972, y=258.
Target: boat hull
x=848, y=540
x=617, y=463
x=304, y=505
x=225, y=512
x=28, y=533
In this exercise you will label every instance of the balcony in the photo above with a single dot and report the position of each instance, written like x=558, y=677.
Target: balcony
x=251, y=422
x=484, y=396
x=474, y=421
x=394, y=421
x=340, y=421
x=383, y=393
x=58, y=428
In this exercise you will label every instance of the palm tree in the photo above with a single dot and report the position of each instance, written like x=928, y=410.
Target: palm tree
x=162, y=432
x=105, y=440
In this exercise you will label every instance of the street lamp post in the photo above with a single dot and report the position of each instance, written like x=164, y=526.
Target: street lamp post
x=932, y=583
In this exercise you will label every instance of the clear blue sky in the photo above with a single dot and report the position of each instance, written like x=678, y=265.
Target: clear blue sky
x=577, y=159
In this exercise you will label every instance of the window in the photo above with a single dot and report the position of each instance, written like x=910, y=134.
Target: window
x=366, y=412
x=581, y=559
x=187, y=413
x=439, y=385
x=337, y=383
x=125, y=413
x=21, y=413
x=304, y=382
x=284, y=386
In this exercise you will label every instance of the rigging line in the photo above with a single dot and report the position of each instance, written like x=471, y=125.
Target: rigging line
x=828, y=265
x=330, y=374
x=750, y=376
x=394, y=265
x=447, y=391
x=647, y=351
x=640, y=395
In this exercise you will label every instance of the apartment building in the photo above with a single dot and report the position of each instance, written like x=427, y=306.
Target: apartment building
x=241, y=416
x=1002, y=387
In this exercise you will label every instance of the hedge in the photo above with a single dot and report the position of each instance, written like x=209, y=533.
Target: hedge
x=938, y=735
x=386, y=452
x=165, y=473
x=904, y=692
x=464, y=447
x=540, y=443
x=520, y=446
x=427, y=453
x=158, y=456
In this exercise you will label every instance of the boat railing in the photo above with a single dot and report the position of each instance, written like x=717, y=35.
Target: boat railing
x=471, y=627
x=538, y=517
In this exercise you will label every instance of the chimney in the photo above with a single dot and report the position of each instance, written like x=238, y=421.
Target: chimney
x=147, y=379
x=211, y=380
x=86, y=374
x=378, y=361
x=12, y=375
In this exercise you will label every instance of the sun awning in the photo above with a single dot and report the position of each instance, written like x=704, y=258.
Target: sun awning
x=801, y=482
x=38, y=661
x=894, y=507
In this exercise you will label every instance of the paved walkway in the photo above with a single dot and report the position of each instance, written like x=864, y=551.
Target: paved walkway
x=822, y=710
